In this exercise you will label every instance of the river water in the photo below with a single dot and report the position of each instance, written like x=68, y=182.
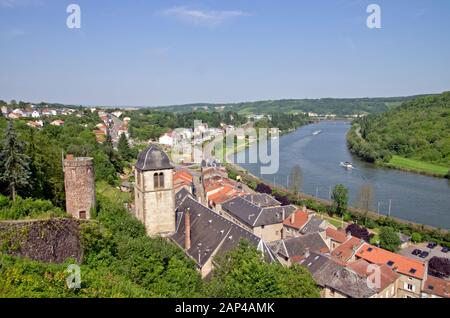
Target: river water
x=413, y=197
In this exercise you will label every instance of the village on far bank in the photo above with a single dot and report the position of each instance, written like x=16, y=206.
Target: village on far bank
x=206, y=212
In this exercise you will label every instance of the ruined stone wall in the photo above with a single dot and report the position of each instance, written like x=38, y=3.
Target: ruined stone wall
x=50, y=241
x=80, y=186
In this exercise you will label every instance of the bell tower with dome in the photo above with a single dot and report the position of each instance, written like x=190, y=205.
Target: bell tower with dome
x=154, y=193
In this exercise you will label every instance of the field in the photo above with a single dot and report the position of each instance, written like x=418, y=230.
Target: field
x=112, y=193
x=419, y=166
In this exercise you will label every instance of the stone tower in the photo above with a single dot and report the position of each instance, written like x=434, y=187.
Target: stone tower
x=80, y=186
x=153, y=192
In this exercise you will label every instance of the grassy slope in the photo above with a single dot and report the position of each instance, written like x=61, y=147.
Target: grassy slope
x=417, y=165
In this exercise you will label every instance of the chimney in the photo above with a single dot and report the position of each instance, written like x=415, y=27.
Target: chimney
x=187, y=230
x=69, y=157
x=293, y=218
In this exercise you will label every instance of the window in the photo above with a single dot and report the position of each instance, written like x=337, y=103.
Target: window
x=161, y=180
x=158, y=180
x=409, y=287
x=82, y=215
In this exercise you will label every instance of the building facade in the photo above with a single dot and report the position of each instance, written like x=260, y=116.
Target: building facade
x=154, y=192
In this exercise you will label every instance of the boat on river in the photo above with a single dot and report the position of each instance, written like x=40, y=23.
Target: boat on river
x=317, y=132
x=347, y=165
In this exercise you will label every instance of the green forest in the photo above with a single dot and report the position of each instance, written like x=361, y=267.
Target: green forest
x=338, y=106
x=414, y=136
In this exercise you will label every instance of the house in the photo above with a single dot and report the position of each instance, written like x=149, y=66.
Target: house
x=262, y=199
x=168, y=139
x=204, y=234
x=385, y=284
x=226, y=193
x=36, y=124
x=293, y=224
x=436, y=288
x=412, y=272
x=264, y=222
x=183, y=179
x=35, y=114
x=57, y=123
x=117, y=114
x=346, y=252
x=315, y=224
x=126, y=186
x=100, y=136
x=13, y=116
x=4, y=110
x=336, y=237
x=18, y=112
x=335, y=280
x=293, y=250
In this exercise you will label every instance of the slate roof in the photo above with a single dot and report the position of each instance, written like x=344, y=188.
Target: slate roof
x=328, y=273
x=153, y=158
x=262, y=200
x=313, y=226
x=180, y=195
x=253, y=215
x=297, y=247
x=211, y=232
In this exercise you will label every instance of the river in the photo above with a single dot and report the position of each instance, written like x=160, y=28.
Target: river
x=413, y=197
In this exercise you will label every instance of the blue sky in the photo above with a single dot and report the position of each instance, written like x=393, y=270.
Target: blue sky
x=155, y=52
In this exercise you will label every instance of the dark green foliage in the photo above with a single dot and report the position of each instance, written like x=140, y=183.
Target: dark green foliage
x=389, y=239
x=27, y=209
x=14, y=163
x=340, y=199
x=419, y=129
x=124, y=148
x=119, y=242
x=242, y=273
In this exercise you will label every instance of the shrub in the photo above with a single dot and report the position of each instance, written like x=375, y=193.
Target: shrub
x=416, y=237
x=359, y=232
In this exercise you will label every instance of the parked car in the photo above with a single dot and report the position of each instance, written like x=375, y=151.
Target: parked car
x=416, y=252
x=424, y=254
x=432, y=245
x=445, y=250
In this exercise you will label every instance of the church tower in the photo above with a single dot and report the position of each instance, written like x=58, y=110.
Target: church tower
x=154, y=193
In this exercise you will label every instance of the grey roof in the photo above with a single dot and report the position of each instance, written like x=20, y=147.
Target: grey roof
x=314, y=225
x=180, y=195
x=253, y=215
x=327, y=273
x=211, y=232
x=299, y=246
x=261, y=199
x=153, y=158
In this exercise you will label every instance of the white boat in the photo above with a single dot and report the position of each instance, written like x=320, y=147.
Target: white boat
x=347, y=165
x=317, y=132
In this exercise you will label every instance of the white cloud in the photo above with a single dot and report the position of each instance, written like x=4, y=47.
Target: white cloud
x=202, y=17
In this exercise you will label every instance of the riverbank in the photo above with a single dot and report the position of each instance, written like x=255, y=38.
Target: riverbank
x=370, y=219
x=365, y=150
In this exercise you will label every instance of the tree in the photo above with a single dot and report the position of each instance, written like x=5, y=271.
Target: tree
x=296, y=180
x=340, y=199
x=439, y=267
x=359, y=232
x=364, y=199
x=389, y=239
x=416, y=237
x=242, y=273
x=13, y=162
x=124, y=148
x=263, y=188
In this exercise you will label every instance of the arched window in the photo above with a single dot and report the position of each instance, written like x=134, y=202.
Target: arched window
x=161, y=180
x=156, y=180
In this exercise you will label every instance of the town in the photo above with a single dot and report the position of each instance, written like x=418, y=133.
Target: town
x=206, y=213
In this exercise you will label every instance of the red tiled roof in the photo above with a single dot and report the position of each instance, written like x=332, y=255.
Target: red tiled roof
x=402, y=264
x=344, y=252
x=223, y=195
x=300, y=219
x=387, y=275
x=437, y=286
x=336, y=235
